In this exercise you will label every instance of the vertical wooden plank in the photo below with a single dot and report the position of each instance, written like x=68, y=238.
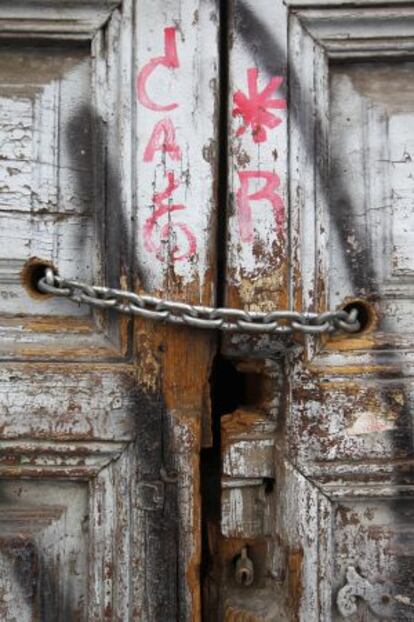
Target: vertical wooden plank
x=112, y=115
x=118, y=233
x=123, y=474
x=308, y=169
x=176, y=91
x=97, y=549
x=257, y=266
x=176, y=66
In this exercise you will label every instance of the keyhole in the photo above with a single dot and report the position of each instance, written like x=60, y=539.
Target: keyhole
x=244, y=577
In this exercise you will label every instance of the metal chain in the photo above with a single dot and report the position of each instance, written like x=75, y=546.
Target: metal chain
x=198, y=316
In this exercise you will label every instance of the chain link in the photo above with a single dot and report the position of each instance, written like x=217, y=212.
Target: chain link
x=198, y=316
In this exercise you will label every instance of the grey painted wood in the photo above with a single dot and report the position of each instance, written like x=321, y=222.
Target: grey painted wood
x=337, y=523
x=99, y=495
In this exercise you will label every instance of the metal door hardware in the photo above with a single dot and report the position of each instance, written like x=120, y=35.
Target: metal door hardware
x=377, y=597
x=244, y=573
x=225, y=319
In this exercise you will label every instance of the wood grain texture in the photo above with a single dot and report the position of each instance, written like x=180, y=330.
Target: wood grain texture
x=343, y=486
x=115, y=416
x=257, y=211
x=72, y=19
x=61, y=182
x=175, y=184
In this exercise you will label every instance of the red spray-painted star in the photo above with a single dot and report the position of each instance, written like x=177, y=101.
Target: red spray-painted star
x=254, y=107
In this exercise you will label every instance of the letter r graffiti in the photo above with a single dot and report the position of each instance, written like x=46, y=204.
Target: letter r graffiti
x=267, y=192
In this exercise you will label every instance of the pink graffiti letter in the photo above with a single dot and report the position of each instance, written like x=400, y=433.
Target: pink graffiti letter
x=167, y=232
x=267, y=192
x=255, y=107
x=169, y=60
x=162, y=139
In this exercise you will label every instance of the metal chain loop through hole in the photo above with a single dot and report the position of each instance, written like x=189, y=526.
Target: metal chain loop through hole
x=32, y=272
x=197, y=316
x=365, y=313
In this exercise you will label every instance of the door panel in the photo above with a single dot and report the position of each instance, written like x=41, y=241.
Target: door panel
x=334, y=541
x=43, y=545
x=52, y=203
x=59, y=526
x=371, y=116
x=101, y=415
x=350, y=420
x=43, y=211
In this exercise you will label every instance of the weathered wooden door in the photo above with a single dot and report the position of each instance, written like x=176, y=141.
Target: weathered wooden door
x=106, y=130
x=256, y=153
x=314, y=446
